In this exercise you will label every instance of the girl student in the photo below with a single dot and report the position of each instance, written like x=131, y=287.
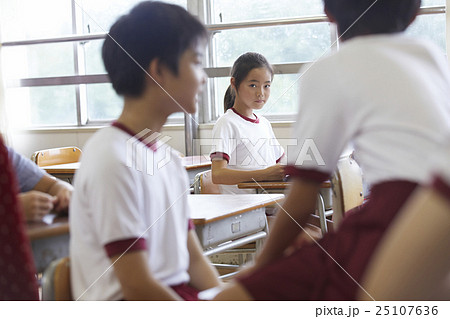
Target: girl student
x=245, y=146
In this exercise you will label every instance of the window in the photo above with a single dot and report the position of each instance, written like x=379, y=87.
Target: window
x=51, y=79
x=288, y=34
x=54, y=74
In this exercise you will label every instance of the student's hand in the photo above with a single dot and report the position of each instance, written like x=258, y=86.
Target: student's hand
x=36, y=204
x=274, y=173
x=62, y=199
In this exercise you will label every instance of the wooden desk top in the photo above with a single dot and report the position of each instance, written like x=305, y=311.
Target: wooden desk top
x=189, y=162
x=273, y=185
x=206, y=208
x=196, y=161
x=38, y=230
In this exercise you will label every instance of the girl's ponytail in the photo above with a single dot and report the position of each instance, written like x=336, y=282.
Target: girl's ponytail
x=228, y=99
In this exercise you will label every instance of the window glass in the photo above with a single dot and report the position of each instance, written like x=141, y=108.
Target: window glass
x=430, y=26
x=42, y=106
x=99, y=15
x=227, y=11
x=38, y=60
x=93, y=57
x=103, y=102
x=31, y=19
x=427, y=3
x=279, y=44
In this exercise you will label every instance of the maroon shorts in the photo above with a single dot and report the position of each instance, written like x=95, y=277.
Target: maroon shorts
x=186, y=292
x=332, y=272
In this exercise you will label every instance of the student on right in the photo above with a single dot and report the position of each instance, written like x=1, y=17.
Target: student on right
x=389, y=95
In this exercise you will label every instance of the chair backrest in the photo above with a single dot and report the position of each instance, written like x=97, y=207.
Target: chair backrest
x=56, y=281
x=347, y=186
x=55, y=156
x=203, y=184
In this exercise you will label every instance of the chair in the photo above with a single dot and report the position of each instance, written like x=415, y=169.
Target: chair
x=203, y=184
x=347, y=188
x=55, y=156
x=56, y=281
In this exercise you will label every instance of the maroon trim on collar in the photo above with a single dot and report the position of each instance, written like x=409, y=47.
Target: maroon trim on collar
x=220, y=155
x=256, y=121
x=152, y=144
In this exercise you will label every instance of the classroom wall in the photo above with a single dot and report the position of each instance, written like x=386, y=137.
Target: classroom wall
x=27, y=142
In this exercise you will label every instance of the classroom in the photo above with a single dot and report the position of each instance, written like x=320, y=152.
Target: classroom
x=261, y=184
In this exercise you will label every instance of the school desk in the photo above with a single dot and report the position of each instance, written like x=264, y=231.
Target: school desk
x=49, y=240
x=193, y=164
x=223, y=222
x=324, y=198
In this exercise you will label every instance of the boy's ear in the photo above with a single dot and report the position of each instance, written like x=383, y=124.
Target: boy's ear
x=155, y=70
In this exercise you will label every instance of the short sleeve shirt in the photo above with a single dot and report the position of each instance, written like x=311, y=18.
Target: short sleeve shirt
x=28, y=173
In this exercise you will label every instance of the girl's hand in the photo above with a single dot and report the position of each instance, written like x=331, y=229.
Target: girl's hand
x=274, y=173
x=63, y=199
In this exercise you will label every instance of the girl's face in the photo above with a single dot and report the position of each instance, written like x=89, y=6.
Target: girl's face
x=254, y=90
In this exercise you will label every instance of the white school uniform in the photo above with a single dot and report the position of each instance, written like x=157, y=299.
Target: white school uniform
x=127, y=192
x=246, y=144
x=393, y=105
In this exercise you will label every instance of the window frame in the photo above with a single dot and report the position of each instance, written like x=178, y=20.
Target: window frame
x=200, y=8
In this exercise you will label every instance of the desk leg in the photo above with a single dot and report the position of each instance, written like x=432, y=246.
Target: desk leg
x=322, y=217
x=260, y=242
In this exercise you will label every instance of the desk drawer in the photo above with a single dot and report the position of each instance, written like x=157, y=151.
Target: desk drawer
x=227, y=229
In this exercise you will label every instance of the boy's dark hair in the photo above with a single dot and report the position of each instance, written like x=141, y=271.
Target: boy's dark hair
x=150, y=30
x=241, y=67
x=384, y=16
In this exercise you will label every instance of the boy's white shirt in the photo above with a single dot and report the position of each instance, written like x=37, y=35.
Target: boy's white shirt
x=125, y=190
x=386, y=94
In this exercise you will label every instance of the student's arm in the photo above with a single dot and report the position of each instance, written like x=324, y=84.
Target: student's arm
x=413, y=261
x=61, y=190
x=221, y=174
x=296, y=209
x=48, y=194
x=203, y=274
x=136, y=279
